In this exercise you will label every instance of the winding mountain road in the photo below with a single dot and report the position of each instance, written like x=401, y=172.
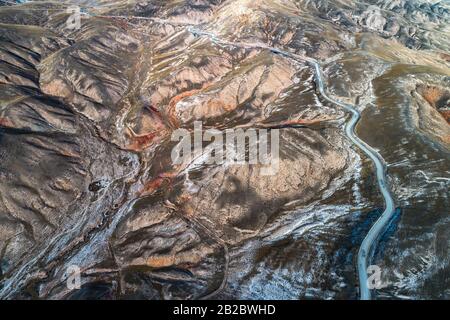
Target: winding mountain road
x=368, y=245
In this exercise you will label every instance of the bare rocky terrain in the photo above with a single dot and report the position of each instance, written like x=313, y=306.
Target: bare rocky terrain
x=87, y=180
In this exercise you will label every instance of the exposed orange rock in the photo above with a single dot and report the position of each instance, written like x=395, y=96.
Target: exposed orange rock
x=56, y=87
x=446, y=139
x=160, y=261
x=173, y=102
x=141, y=142
x=156, y=183
x=185, y=201
x=445, y=56
x=217, y=104
x=4, y=122
x=432, y=94
x=150, y=123
x=182, y=259
x=446, y=115
x=69, y=153
x=305, y=121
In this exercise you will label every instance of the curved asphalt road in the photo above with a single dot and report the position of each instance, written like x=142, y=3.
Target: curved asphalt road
x=366, y=250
